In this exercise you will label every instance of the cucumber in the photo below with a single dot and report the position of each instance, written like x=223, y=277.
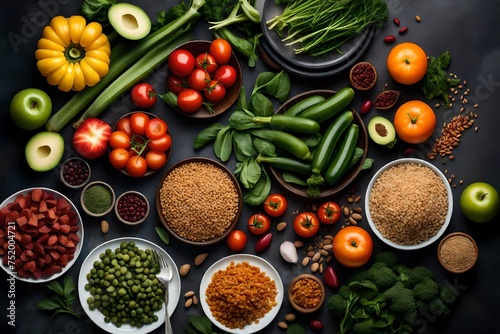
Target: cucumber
x=343, y=156
x=330, y=107
x=285, y=141
x=289, y=123
x=285, y=163
x=302, y=105
x=329, y=140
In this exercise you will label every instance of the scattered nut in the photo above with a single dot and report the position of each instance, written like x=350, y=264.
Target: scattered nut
x=189, y=294
x=305, y=261
x=281, y=226
x=290, y=317
x=282, y=325
x=195, y=300
x=298, y=243
x=184, y=269
x=315, y=267
x=198, y=260
x=356, y=216
x=188, y=303
x=104, y=226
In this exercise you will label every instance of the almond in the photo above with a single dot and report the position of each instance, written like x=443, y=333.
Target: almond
x=198, y=260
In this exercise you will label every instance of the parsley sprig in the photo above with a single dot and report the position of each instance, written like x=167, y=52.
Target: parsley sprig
x=63, y=299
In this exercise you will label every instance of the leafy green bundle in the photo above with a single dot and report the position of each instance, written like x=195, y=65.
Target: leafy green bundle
x=436, y=82
x=390, y=297
x=319, y=26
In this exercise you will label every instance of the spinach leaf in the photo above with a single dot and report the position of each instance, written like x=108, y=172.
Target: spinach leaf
x=242, y=145
x=260, y=105
x=164, y=237
x=207, y=135
x=295, y=328
x=262, y=81
x=258, y=194
x=242, y=99
x=248, y=172
x=279, y=87
x=264, y=146
x=239, y=120
x=293, y=179
x=223, y=145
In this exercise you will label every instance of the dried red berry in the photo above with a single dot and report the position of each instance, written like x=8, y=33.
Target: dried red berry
x=390, y=39
x=403, y=30
x=366, y=107
x=396, y=21
x=387, y=99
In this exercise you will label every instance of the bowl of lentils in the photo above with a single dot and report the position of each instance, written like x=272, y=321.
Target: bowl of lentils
x=75, y=173
x=132, y=207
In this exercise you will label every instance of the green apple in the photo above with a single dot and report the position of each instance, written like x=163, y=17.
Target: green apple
x=480, y=202
x=44, y=151
x=30, y=108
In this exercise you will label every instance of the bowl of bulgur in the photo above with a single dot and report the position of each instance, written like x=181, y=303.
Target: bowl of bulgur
x=306, y=293
x=199, y=201
x=457, y=252
x=241, y=293
x=408, y=203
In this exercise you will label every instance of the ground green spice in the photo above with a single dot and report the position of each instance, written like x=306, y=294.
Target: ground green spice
x=97, y=199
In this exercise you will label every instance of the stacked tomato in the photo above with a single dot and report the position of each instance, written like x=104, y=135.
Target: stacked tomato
x=139, y=143
x=202, y=78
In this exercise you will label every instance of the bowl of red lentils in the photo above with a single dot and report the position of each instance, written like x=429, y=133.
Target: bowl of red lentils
x=363, y=76
x=132, y=207
x=75, y=172
x=306, y=293
x=457, y=252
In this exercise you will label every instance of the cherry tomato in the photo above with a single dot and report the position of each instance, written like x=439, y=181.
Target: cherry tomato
x=207, y=62
x=181, y=62
x=329, y=213
x=275, y=205
x=189, y=100
x=136, y=166
x=236, y=240
x=407, y=63
x=138, y=123
x=306, y=224
x=124, y=125
x=119, y=139
x=119, y=157
x=414, y=122
x=175, y=84
x=259, y=224
x=143, y=95
x=225, y=75
x=352, y=246
x=156, y=159
x=162, y=143
x=214, y=92
x=198, y=79
x=221, y=50
x=156, y=128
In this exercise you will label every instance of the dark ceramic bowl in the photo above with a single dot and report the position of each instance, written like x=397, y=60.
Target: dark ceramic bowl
x=118, y=203
x=199, y=47
x=325, y=191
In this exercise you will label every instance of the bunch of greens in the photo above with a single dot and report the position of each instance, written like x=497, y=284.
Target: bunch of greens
x=389, y=297
x=227, y=140
x=317, y=27
x=437, y=82
x=63, y=299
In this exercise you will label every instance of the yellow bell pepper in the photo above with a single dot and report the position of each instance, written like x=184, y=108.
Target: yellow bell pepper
x=73, y=54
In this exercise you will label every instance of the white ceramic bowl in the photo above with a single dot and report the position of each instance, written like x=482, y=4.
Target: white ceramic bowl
x=69, y=209
x=447, y=218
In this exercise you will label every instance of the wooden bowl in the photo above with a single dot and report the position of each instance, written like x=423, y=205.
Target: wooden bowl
x=298, y=307
x=170, y=225
x=325, y=191
x=373, y=79
x=198, y=47
x=457, y=252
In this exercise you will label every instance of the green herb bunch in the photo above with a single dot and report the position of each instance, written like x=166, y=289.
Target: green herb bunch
x=63, y=299
x=389, y=297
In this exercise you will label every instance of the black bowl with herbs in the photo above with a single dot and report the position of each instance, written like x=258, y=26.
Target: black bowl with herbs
x=97, y=199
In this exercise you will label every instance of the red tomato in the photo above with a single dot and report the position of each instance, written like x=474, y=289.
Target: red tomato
x=225, y=75
x=214, y=92
x=156, y=159
x=329, y=213
x=162, y=143
x=198, y=79
x=124, y=125
x=156, y=128
x=275, y=205
x=352, y=246
x=306, y=224
x=236, y=240
x=189, y=100
x=181, y=62
x=175, y=84
x=143, y=95
x=259, y=223
x=90, y=139
x=119, y=139
x=119, y=158
x=221, y=50
x=207, y=62
x=136, y=166
x=138, y=123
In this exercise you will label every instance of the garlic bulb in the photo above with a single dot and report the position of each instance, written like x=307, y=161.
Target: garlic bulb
x=288, y=252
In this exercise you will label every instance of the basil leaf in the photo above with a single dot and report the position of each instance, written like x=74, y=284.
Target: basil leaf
x=49, y=304
x=223, y=145
x=295, y=328
x=264, y=146
x=201, y=323
x=260, y=105
x=169, y=98
x=56, y=287
x=164, y=237
x=207, y=135
x=68, y=286
x=293, y=179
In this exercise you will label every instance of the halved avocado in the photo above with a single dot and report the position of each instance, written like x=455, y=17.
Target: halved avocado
x=44, y=151
x=130, y=21
x=382, y=131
